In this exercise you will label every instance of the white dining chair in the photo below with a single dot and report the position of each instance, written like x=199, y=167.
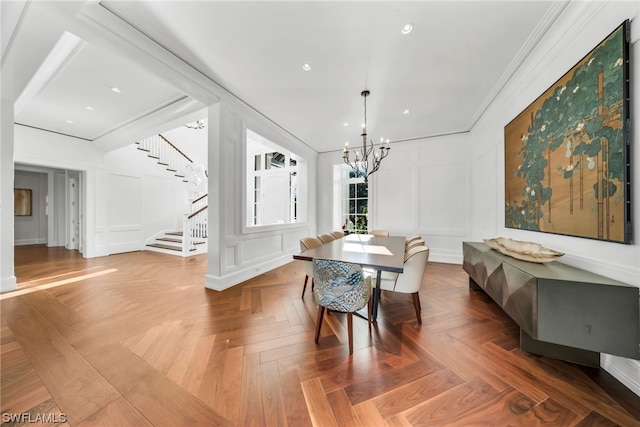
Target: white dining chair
x=337, y=234
x=381, y=233
x=306, y=244
x=410, y=280
x=414, y=243
x=410, y=239
x=326, y=238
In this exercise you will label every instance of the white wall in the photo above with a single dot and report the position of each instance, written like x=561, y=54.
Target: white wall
x=32, y=230
x=238, y=252
x=144, y=199
x=579, y=29
x=421, y=188
x=35, y=147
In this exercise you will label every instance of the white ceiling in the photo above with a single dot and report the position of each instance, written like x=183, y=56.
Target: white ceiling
x=446, y=71
x=78, y=99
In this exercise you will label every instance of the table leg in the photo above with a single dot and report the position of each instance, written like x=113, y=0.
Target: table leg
x=376, y=296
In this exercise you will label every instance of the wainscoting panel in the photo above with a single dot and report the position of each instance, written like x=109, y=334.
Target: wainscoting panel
x=444, y=206
x=231, y=257
x=395, y=200
x=261, y=247
x=291, y=239
x=125, y=213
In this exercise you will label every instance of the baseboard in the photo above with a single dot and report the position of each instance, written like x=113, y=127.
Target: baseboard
x=8, y=284
x=123, y=247
x=26, y=242
x=446, y=257
x=627, y=371
x=220, y=283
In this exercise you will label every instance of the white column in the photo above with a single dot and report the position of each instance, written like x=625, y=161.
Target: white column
x=7, y=273
x=216, y=204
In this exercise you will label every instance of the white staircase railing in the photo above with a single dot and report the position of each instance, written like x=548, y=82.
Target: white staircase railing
x=199, y=203
x=194, y=230
x=166, y=154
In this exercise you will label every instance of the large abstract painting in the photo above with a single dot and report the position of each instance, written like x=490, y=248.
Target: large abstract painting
x=567, y=155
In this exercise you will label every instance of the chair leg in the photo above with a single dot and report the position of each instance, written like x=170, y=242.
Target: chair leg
x=417, y=306
x=304, y=288
x=319, y=322
x=350, y=329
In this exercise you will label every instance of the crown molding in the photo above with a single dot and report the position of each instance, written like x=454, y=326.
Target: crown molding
x=551, y=16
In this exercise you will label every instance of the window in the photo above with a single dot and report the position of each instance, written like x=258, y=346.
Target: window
x=272, y=183
x=354, y=201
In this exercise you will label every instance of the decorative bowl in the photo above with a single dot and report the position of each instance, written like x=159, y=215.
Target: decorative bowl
x=524, y=251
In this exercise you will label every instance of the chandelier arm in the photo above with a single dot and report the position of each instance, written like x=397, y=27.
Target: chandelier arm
x=347, y=160
x=369, y=149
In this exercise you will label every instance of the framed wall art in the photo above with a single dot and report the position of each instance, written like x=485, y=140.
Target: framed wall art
x=22, y=202
x=567, y=157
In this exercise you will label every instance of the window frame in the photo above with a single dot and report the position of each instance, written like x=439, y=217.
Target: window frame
x=248, y=176
x=342, y=181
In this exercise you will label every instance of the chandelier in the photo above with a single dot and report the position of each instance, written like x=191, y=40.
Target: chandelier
x=361, y=162
x=198, y=124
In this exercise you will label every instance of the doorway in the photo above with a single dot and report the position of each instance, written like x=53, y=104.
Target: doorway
x=57, y=218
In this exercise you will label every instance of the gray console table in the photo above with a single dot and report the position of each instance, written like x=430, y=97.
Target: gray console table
x=563, y=312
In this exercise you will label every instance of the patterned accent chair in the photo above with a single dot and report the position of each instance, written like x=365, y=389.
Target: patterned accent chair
x=339, y=286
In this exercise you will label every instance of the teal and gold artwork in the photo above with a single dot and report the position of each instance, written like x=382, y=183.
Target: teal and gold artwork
x=567, y=154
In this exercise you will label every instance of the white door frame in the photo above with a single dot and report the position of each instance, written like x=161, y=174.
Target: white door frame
x=73, y=217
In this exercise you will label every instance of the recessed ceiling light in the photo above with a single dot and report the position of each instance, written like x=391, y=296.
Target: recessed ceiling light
x=407, y=28
x=306, y=67
x=89, y=108
x=406, y=112
x=345, y=124
x=69, y=121
x=116, y=90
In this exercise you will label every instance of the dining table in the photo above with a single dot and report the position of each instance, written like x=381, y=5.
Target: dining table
x=379, y=253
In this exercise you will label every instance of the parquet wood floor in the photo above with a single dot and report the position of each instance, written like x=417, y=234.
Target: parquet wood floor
x=136, y=340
